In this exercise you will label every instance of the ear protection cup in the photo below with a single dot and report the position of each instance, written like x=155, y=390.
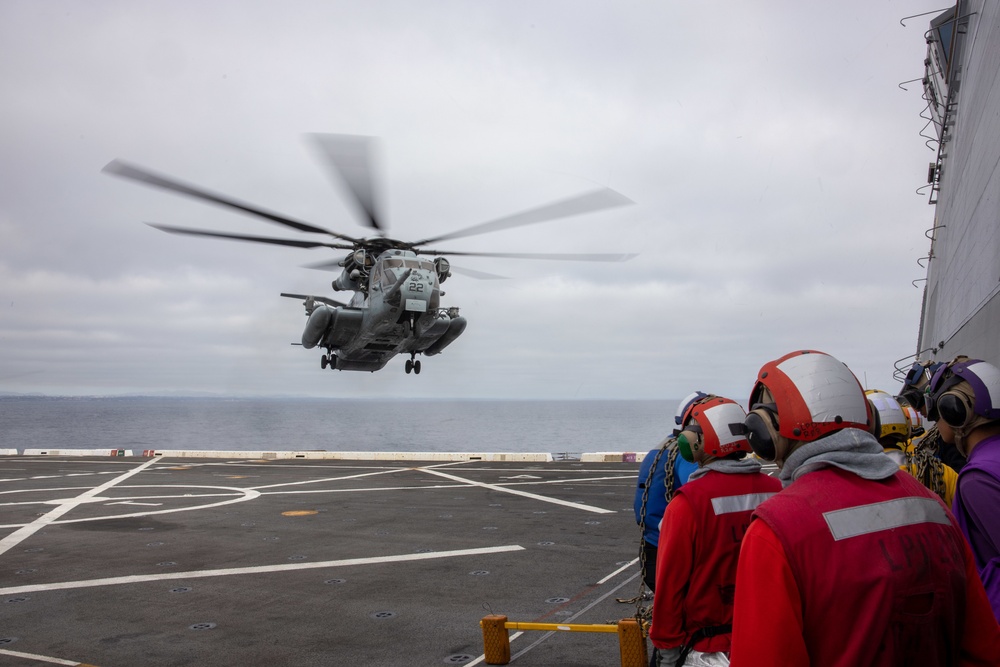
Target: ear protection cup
x=955, y=408
x=688, y=444
x=762, y=431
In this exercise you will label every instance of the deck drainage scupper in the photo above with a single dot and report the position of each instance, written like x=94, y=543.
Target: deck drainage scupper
x=458, y=659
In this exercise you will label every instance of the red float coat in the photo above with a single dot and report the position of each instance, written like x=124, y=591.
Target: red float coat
x=845, y=572
x=696, y=564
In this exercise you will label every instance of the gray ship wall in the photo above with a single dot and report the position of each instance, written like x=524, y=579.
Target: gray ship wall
x=961, y=304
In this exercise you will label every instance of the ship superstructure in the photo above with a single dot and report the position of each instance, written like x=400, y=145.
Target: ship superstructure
x=961, y=303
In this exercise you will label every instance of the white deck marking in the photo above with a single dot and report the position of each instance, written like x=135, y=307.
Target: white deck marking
x=65, y=506
x=257, y=569
x=618, y=571
x=39, y=658
x=329, y=479
x=132, y=502
x=238, y=495
x=504, y=489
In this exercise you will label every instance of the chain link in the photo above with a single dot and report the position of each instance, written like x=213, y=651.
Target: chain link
x=923, y=462
x=644, y=614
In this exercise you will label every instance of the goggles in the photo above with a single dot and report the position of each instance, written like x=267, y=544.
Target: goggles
x=918, y=381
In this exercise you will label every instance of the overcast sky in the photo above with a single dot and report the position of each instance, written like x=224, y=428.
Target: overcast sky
x=772, y=156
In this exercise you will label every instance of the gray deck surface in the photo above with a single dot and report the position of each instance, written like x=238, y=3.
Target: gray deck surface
x=119, y=562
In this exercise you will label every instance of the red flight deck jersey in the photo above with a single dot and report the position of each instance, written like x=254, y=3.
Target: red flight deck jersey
x=838, y=571
x=696, y=564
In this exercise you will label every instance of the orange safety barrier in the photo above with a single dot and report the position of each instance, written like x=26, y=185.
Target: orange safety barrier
x=496, y=638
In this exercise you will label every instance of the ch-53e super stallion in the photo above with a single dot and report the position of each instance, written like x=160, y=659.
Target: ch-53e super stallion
x=396, y=307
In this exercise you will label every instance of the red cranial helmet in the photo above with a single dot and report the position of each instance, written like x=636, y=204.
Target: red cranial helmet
x=713, y=428
x=803, y=396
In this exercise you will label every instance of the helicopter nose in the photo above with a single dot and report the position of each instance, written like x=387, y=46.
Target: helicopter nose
x=416, y=291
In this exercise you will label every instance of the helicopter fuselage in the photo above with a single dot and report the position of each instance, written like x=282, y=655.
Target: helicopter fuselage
x=395, y=310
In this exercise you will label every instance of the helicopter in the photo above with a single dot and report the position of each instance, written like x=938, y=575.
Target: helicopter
x=396, y=306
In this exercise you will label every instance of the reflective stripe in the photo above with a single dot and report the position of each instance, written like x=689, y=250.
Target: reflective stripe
x=745, y=503
x=876, y=517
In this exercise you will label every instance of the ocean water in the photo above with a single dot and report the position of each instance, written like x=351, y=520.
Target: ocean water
x=285, y=424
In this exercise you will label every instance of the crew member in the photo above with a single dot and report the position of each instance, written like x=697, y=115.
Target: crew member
x=914, y=393
x=853, y=562
x=964, y=400
x=893, y=427
x=653, y=492
x=701, y=533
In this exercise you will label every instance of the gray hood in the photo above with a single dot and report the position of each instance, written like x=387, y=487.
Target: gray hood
x=849, y=449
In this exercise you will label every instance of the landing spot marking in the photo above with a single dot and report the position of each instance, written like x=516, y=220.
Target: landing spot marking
x=30, y=529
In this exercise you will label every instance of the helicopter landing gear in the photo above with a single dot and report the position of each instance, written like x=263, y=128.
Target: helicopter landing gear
x=324, y=362
x=412, y=365
x=328, y=361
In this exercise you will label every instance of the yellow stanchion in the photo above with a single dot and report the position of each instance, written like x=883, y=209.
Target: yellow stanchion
x=496, y=638
x=632, y=643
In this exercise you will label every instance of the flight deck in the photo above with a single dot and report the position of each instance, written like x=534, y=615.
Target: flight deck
x=119, y=561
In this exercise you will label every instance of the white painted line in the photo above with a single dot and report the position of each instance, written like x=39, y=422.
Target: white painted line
x=23, y=533
x=241, y=495
x=618, y=571
x=483, y=657
x=257, y=569
x=329, y=479
x=39, y=658
x=505, y=489
x=132, y=502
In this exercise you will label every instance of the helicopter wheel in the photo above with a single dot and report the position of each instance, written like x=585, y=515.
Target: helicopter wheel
x=410, y=366
x=324, y=362
x=416, y=367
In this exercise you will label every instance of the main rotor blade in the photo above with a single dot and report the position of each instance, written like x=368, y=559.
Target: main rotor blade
x=472, y=273
x=331, y=265
x=573, y=257
x=244, y=237
x=125, y=170
x=350, y=157
x=585, y=203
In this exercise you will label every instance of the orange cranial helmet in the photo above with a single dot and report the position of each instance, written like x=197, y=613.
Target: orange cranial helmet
x=803, y=396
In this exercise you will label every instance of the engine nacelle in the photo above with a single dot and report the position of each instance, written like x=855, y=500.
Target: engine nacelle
x=455, y=329
x=331, y=327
